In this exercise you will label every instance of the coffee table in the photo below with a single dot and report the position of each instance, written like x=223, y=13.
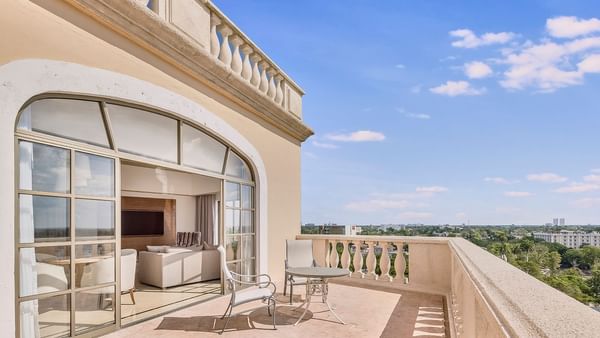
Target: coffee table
x=317, y=279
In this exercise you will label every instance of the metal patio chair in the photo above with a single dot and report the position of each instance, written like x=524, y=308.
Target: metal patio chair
x=259, y=290
x=298, y=254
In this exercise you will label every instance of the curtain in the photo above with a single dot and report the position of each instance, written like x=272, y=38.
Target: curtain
x=206, y=217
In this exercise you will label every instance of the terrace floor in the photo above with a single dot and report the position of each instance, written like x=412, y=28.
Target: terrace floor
x=368, y=312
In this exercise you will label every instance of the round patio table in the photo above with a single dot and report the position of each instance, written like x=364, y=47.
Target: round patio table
x=317, y=279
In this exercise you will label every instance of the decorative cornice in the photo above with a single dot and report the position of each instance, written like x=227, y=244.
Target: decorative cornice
x=144, y=27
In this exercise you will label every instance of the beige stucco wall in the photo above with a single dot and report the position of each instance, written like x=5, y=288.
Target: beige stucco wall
x=30, y=31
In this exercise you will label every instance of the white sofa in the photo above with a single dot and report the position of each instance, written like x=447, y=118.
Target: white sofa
x=179, y=266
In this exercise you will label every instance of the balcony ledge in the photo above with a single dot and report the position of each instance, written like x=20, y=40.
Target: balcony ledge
x=141, y=25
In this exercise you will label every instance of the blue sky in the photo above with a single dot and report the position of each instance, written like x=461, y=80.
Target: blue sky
x=438, y=112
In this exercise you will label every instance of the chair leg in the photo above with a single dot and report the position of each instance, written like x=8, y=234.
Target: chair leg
x=228, y=317
x=285, y=282
x=131, y=294
x=291, y=291
x=228, y=306
x=274, y=312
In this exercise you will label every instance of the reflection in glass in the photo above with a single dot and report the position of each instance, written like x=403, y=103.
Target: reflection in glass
x=232, y=195
x=247, y=221
x=247, y=246
x=74, y=119
x=94, y=308
x=247, y=202
x=44, y=269
x=48, y=317
x=94, y=175
x=94, y=264
x=237, y=167
x=201, y=151
x=232, y=221
x=143, y=133
x=43, y=168
x=247, y=268
x=232, y=248
x=43, y=218
x=94, y=218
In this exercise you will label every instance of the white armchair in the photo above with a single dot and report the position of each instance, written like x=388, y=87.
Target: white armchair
x=128, y=264
x=262, y=290
x=102, y=272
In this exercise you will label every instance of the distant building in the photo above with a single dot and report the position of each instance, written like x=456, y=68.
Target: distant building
x=353, y=230
x=555, y=221
x=571, y=239
x=561, y=221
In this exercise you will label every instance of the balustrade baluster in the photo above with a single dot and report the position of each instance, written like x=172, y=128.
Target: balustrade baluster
x=384, y=262
x=264, y=81
x=236, y=62
x=255, y=79
x=246, y=65
x=333, y=258
x=345, y=259
x=214, y=38
x=279, y=91
x=371, y=261
x=225, y=52
x=272, y=89
x=357, y=260
x=399, y=263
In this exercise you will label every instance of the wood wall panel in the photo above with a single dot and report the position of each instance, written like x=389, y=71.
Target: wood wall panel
x=167, y=206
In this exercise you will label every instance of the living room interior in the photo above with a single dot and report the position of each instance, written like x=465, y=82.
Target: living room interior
x=171, y=220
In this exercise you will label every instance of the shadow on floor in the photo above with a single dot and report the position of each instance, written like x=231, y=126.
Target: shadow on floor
x=285, y=315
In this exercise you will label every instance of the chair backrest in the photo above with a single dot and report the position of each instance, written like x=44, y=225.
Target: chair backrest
x=299, y=253
x=128, y=265
x=224, y=267
x=51, y=278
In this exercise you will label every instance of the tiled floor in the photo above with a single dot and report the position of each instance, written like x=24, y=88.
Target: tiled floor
x=368, y=312
x=150, y=300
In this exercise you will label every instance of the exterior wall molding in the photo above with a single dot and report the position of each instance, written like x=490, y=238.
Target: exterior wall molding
x=141, y=25
x=23, y=79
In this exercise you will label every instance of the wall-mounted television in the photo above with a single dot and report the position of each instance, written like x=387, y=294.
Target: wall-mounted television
x=142, y=223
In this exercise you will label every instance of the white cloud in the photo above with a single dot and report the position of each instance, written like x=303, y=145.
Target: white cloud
x=590, y=64
x=468, y=39
x=546, y=178
x=477, y=70
x=357, y=136
x=586, y=203
x=431, y=189
x=507, y=210
x=592, y=178
x=400, y=66
x=456, y=88
x=309, y=154
x=324, y=145
x=576, y=187
x=547, y=66
x=595, y=171
x=415, y=215
x=418, y=116
x=571, y=26
x=461, y=215
x=517, y=194
x=498, y=180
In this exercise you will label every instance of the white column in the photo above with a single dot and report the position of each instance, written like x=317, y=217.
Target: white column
x=225, y=52
x=214, y=37
x=384, y=262
x=399, y=263
x=264, y=82
x=236, y=62
x=357, y=260
x=333, y=257
x=272, y=89
x=246, y=65
x=371, y=261
x=279, y=91
x=255, y=79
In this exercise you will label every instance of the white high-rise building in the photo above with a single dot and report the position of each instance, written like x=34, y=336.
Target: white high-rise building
x=555, y=221
x=561, y=221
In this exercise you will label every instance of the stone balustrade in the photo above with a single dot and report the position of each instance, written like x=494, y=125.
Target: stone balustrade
x=484, y=295
x=203, y=22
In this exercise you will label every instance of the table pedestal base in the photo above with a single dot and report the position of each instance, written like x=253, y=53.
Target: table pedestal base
x=315, y=288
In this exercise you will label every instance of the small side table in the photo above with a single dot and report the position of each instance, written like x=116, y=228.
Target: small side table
x=317, y=279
